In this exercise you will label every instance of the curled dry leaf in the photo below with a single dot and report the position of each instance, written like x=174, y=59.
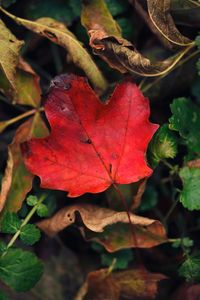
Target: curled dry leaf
x=7, y=181
x=28, y=91
x=119, y=53
x=137, y=198
x=159, y=12
x=21, y=179
x=86, y=151
x=59, y=34
x=131, y=284
x=9, y=55
x=96, y=219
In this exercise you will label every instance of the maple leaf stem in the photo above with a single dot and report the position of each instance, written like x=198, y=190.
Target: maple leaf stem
x=123, y=200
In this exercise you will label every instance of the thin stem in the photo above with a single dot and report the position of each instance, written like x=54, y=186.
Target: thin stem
x=148, y=87
x=22, y=116
x=174, y=204
x=26, y=220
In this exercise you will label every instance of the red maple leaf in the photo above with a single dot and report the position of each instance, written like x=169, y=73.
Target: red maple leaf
x=91, y=145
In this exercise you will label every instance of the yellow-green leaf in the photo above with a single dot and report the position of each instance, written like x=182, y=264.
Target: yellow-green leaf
x=9, y=55
x=21, y=179
x=59, y=34
x=28, y=91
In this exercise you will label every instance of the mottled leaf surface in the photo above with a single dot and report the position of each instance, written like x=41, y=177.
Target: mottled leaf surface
x=91, y=145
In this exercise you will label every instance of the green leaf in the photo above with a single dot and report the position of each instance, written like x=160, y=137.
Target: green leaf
x=30, y=234
x=117, y=7
x=198, y=66
x=186, y=120
x=20, y=269
x=3, y=248
x=64, y=11
x=32, y=200
x=190, y=269
x=190, y=195
x=197, y=41
x=10, y=223
x=186, y=242
x=122, y=258
x=58, y=33
x=163, y=145
x=3, y=296
x=42, y=210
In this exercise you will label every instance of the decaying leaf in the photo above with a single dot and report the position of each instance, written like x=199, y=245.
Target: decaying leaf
x=9, y=55
x=159, y=12
x=27, y=87
x=137, y=198
x=21, y=179
x=119, y=53
x=83, y=135
x=59, y=34
x=194, y=163
x=131, y=284
x=148, y=232
x=7, y=181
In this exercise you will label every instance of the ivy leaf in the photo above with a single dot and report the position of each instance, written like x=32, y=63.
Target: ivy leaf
x=186, y=120
x=88, y=128
x=163, y=145
x=20, y=269
x=190, y=195
x=30, y=234
x=190, y=269
x=10, y=223
x=32, y=200
x=9, y=54
x=42, y=210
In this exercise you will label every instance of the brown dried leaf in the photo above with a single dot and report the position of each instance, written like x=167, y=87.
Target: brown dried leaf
x=119, y=53
x=9, y=55
x=159, y=12
x=21, y=179
x=97, y=219
x=137, y=198
x=7, y=181
x=27, y=92
x=58, y=33
x=131, y=284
